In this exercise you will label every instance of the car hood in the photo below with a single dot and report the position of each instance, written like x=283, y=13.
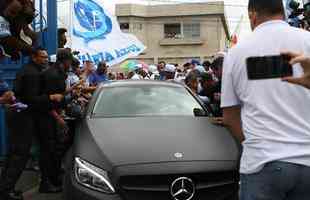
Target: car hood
x=131, y=141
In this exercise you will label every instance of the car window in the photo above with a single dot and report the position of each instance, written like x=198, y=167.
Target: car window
x=145, y=101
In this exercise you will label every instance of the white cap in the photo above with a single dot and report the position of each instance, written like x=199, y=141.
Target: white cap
x=152, y=68
x=170, y=68
x=53, y=58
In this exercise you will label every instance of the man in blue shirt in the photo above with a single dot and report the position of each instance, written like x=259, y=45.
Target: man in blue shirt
x=100, y=75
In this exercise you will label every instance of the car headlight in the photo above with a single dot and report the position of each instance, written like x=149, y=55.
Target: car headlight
x=92, y=177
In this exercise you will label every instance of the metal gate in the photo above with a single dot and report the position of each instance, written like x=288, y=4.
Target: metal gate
x=45, y=24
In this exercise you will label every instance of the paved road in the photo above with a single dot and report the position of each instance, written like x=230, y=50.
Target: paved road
x=37, y=196
x=29, y=185
x=34, y=195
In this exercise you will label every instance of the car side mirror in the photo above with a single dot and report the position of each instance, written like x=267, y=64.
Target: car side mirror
x=200, y=112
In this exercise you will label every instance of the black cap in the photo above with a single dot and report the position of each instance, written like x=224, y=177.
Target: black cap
x=64, y=54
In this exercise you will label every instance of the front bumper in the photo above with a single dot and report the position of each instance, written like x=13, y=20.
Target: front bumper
x=75, y=191
x=155, y=187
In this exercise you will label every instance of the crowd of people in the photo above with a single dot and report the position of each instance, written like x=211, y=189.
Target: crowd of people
x=52, y=92
x=203, y=79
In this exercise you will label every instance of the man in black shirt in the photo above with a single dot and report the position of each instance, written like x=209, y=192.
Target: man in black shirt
x=54, y=81
x=23, y=125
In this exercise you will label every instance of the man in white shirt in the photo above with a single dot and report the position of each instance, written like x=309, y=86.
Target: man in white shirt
x=270, y=117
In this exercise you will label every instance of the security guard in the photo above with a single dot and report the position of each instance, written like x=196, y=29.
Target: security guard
x=23, y=125
x=54, y=81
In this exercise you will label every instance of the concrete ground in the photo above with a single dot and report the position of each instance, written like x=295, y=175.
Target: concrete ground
x=29, y=184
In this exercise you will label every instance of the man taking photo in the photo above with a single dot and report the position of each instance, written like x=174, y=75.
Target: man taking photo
x=265, y=115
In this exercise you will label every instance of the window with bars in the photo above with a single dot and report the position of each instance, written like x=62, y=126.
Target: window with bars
x=182, y=30
x=172, y=30
x=191, y=30
x=124, y=26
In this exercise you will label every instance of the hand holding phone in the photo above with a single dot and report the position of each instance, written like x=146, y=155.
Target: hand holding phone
x=304, y=61
x=269, y=67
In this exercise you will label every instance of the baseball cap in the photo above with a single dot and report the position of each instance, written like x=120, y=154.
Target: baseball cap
x=200, y=68
x=53, y=58
x=195, y=62
x=153, y=68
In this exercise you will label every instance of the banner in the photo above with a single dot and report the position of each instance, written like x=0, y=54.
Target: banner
x=97, y=36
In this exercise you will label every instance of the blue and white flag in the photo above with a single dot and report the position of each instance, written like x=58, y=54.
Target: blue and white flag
x=97, y=36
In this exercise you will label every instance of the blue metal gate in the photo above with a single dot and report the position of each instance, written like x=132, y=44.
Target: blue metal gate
x=46, y=25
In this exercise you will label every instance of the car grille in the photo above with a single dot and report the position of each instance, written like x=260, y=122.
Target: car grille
x=213, y=186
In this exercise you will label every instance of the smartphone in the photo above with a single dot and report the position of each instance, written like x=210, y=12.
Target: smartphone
x=268, y=67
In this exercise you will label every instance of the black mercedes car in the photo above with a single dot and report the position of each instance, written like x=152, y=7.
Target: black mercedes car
x=148, y=140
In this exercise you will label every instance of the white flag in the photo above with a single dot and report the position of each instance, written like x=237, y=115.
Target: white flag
x=97, y=36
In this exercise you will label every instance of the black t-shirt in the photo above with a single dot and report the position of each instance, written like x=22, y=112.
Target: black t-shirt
x=54, y=82
x=28, y=88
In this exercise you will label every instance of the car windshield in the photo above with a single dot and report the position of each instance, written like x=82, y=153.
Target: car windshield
x=150, y=101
